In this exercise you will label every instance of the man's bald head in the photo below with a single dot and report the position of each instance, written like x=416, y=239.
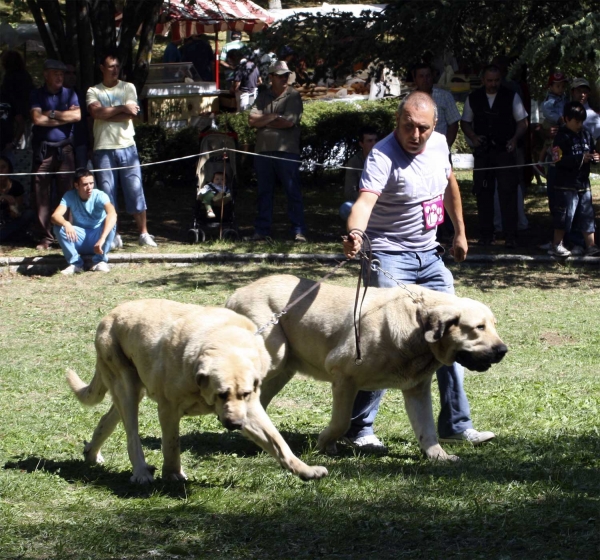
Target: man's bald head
x=418, y=100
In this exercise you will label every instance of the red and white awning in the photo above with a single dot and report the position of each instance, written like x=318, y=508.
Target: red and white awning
x=210, y=16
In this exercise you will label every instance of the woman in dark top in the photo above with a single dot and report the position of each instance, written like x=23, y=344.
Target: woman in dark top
x=14, y=217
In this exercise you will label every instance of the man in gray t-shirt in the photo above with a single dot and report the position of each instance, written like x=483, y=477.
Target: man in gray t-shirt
x=406, y=187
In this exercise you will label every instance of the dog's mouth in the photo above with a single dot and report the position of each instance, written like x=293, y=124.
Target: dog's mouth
x=481, y=361
x=231, y=425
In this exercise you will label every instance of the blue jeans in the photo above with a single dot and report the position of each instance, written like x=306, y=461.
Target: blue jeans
x=288, y=172
x=428, y=270
x=130, y=179
x=86, y=239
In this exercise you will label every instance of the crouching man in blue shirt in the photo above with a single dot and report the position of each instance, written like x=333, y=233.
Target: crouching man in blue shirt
x=92, y=229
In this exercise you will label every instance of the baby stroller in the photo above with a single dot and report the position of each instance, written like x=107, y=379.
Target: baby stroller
x=221, y=222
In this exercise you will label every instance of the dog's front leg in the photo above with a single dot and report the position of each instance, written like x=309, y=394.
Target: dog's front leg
x=417, y=401
x=169, y=418
x=259, y=428
x=344, y=392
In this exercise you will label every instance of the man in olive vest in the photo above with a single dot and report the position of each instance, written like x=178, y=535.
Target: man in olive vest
x=493, y=120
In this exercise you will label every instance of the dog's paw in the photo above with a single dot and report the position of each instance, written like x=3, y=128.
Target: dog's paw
x=331, y=448
x=313, y=473
x=144, y=475
x=174, y=476
x=91, y=457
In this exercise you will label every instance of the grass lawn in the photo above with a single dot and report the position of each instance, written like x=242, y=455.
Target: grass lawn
x=531, y=493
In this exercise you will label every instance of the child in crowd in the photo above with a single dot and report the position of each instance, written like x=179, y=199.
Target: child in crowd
x=214, y=192
x=572, y=152
x=553, y=105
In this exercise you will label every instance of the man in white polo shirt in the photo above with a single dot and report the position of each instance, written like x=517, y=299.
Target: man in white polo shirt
x=405, y=187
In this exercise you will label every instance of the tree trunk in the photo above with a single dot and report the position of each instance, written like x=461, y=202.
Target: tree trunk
x=72, y=37
x=39, y=21
x=144, y=54
x=87, y=62
x=103, y=26
x=54, y=18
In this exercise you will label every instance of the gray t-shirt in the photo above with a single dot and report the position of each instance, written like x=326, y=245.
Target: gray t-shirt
x=289, y=105
x=404, y=183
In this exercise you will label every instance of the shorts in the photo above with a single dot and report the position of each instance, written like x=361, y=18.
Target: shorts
x=573, y=210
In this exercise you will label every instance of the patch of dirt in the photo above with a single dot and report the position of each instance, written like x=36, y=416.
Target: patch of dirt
x=556, y=339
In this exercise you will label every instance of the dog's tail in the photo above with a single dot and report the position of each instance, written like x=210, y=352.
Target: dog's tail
x=86, y=394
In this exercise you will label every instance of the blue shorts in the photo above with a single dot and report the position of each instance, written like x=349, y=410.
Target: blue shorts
x=573, y=210
x=130, y=180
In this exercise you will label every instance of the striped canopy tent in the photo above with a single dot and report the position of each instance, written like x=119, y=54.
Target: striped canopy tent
x=211, y=16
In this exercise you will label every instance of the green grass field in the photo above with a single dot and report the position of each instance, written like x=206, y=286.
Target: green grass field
x=531, y=493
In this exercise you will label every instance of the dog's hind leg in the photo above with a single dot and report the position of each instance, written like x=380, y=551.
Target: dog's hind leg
x=417, y=401
x=344, y=392
x=105, y=427
x=259, y=428
x=169, y=422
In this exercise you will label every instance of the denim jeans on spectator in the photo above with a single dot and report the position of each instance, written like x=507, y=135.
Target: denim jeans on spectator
x=130, y=179
x=427, y=269
x=287, y=170
x=86, y=239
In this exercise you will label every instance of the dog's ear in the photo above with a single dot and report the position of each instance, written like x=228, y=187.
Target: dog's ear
x=438, y=320
x=203, y=381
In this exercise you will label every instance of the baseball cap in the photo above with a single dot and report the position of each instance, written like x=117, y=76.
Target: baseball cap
x=236, y=35
x=578, y=82
x=280, y=67
x=52, y=64
x=557, y=77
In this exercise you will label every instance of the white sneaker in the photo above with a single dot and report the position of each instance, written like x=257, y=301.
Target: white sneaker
x=72, y=269
x=117, y=242
x=469, y=436
x=368, y=444
x=559, y=251
x=147, y=239
x=100, y=267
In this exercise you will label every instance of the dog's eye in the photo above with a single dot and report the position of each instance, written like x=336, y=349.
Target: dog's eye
x=480, y=327
x=247, y=395
x=224, y=395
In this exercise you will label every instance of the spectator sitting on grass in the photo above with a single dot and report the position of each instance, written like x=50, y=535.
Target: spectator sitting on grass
x=92, y=229
x=573, y=150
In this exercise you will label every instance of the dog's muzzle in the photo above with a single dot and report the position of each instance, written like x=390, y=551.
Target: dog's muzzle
x=232, y=425
x=481, y=361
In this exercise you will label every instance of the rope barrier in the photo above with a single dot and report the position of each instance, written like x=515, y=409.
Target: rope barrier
x=325, y=166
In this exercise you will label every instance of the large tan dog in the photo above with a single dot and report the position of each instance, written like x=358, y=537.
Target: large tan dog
x=191, y=360
x=406, y=335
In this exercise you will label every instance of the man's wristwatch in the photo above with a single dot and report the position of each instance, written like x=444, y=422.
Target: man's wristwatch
x=52, y=114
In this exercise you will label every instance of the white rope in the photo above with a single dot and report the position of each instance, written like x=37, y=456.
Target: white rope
x=325, y=166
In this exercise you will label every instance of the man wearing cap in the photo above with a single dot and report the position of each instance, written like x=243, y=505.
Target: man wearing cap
x=54, y=109
x=580, y=91
x=276, y=115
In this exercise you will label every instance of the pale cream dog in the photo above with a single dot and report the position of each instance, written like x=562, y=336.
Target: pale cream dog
x=406, y=335
x=191, y=360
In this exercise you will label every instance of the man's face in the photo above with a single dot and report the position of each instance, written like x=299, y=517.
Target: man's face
x=70, y=76
x=558, y=88
x=110, y=69
x=580, y=94
x=84, y=187
x=279, y=80
x=424, y=80
x=54, y=79
x=367, y=143
x=414, y=127
x=491, y=81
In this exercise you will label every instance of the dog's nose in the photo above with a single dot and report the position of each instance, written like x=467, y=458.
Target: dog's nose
x=232, y=424
x=501, y=351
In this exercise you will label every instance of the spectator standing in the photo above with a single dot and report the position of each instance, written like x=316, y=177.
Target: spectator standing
x=580, y=91
x=448, y=115
x=113, y=104
x=198, y=51
x=54, y=110
x=573, y=150
x=246, y=79
x=276, y=115
x=406, y=180
x=92, y=226
x=14, y=98
x=367, y=138
x=172, y=53
x=494, y=119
